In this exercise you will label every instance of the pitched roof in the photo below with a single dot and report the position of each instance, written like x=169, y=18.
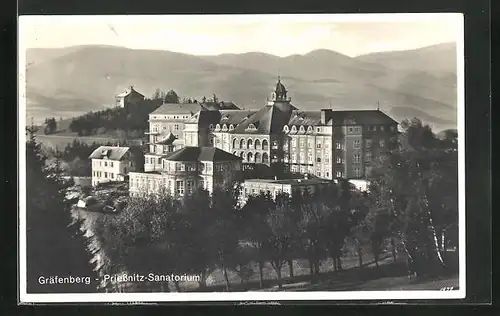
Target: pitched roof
x=361, y=117
x=305, y=118
x=210, y=105
x=129, y=91
x=168, y=140
x=201, y=154
x=111, y=152
x=270, y=119
x=178, y=108
x=235, y=116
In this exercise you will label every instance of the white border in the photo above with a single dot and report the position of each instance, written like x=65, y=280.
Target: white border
x=246, y=296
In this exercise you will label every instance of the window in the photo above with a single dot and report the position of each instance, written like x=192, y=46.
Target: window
x=211, y=126
x=111, y=164
x=217, y=141
x=368, y=156
x=382, y=128
x=309, y=144
x=265, y=145
x=257, y=144
x=235, y=144
x=356, y=144
x=356, y=158
x=105, y=164
x=301, y=156
x=176, y=127
x=350, y=129
x=301, y=129
x=357, y=129
x=301, y=142
x=310, y=157
x=112, y=175
x=189, y=185
x=339, y=174
x=368, y=143
x=201, y=184
x=339, y=160
x=338, y=145
x=357, y=172
x=105, y=174
x=393, y=128
x=286, y=129
x=318, y=159
x=182, y=167
x=318, y=129
x=265, y=158
x=381, y=143
x=294, y=129
x=249, y=144
x=318, y=145
x=180, y=187
x=294, y=142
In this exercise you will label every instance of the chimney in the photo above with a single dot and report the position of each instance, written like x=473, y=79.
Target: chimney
x=325, y=115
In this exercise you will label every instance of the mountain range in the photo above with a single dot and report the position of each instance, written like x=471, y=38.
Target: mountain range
x=65, y=82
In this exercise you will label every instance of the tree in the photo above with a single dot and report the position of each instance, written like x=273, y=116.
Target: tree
x=223, y=231
x=55, y=244
x=50, y=126
x=419, y=187
x=171, y=97
x=281, y=228
x=256, y=230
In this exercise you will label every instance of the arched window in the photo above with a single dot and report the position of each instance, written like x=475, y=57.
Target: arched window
x=231, y=127
x=265, y=145
x=286, y=129
x=310, y=129
x=217, y=127
x=211, y=126
x=257, y=158
x=302, y=130
x=249, y=144
x=224, y=127
x=235, y=143
x=242, y=154
x=249, y=157
x=242, y=143
x=257, y=144
x=265, y=158
x=294, y=129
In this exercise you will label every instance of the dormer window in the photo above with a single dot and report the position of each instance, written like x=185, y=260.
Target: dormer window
x=224, y=127
x=294, y=129
x=211, y=126
x=217, y=127
x=286, y=129
x=310, y=129
x=251, y=127
x=302, y=129
x=231, y=127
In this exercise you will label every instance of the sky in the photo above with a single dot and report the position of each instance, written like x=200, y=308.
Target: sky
x=280, y=35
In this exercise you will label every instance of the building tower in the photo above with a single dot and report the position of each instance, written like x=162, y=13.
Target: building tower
x=279, y=94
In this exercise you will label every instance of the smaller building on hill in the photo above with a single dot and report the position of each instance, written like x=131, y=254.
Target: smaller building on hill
x=129, y=98
x=111, y=163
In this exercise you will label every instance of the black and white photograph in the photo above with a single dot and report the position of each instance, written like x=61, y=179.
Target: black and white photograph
x=266, y=157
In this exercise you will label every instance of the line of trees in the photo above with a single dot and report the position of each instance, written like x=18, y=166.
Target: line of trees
x=50, y=126
x=412, y=203
x=55, y=246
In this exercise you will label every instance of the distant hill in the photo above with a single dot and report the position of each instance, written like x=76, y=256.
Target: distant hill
x=435, y=59
x=71, y=81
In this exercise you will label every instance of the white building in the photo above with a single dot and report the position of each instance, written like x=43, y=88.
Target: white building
x=111, y=164
x=288, y=186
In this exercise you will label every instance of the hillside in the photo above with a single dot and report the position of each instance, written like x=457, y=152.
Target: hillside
x=71, y=81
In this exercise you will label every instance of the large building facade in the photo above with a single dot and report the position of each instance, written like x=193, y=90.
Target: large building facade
x=187, y=169
x=325, y=143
